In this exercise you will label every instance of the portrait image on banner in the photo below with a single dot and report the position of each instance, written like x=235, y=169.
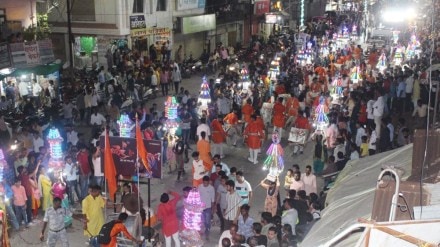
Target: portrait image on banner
x=124, y=154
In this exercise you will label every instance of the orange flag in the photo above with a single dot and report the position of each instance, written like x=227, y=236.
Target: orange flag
x=109, y=168
x=142, y=151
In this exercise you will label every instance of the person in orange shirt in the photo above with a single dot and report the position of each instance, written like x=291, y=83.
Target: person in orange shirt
x=247, y=110
x=278, y=119
x=232, y=126
x=119, y=227
x=204, y=149
x=199, y=169
x=357, y=53
x=301, y=122
x=292, y=106
x=253, y=135
x=260, y=122
x=218, y=136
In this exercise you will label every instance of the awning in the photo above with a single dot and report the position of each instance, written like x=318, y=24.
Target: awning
x=38, y=70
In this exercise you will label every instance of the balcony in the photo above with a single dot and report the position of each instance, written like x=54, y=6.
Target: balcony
x=228, y=12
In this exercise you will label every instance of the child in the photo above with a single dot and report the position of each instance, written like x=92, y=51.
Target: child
x=364, y=146
x=19, y=202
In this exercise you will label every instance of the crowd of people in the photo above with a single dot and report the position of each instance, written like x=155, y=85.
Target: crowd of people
x=368, y=103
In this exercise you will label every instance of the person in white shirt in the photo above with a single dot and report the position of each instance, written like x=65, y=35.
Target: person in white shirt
x=203, y=127
x=421, y=112
x=207, y=196
x=228, y=234
x=378, y=110
x=37, y=141
x=97, y=118
x=67, y=111
x=72, y=135
x=372, y=141
x=23, y=89
x=297, y=184
x=223, y=105
x=360, y=131
x=370, y=116
x=309, y=180
x=36, y=91
x=290, y=215
x=70, y=172
x=98, y=175
x=354, y=154
x=243, y=188
x=217, y=161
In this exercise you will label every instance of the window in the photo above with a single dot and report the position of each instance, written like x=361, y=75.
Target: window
x=2, y=16
x=83, y=10
x=161, y=5
x=138, y=6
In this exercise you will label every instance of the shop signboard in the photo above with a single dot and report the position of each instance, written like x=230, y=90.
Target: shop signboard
x=160, y=34
x=32, y=53
x=200, y=23
x=18, y=55
x=261, y=7
x=271, y=19
x=5, y=58
x=190, y=4
x=46, y=51
x=137, y=25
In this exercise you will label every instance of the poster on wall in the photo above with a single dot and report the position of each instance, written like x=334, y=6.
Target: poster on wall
x=137, y=25
x=124, y=154
x=160, y=35
x=5, y=59
x=46, y=51
x=32, y=53
x=261, y=7
x=18, y=55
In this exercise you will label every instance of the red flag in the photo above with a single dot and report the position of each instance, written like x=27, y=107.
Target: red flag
x=109, y=168
x=142, y=151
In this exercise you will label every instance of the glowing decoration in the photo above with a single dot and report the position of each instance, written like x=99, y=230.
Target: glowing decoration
x=55, y=150
x=171, y=107
x=274, y=161
x=3, y=164
x=337, y=88
x=204, y=97
x=396, y=36
x=398, y=55
x=192, y=219
x=413, y=47
x=125, y=125
x=245, y=82
x=321, y=119
x=356, y=75
x=382, y=64
x=301, y=16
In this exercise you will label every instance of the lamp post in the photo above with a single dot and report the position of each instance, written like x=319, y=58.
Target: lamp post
x=251, y=12
x=70, y=35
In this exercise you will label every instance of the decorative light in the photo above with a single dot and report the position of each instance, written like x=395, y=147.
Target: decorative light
x=171, y=107
x=274, y=161
x=301, y=19
x=125, y=125
x=321, y=119
x=205, y=97
x=337, y=87
x=3, y=164
x=244, y=78
x=356, y=75
x=56, y=152
x=192, y=219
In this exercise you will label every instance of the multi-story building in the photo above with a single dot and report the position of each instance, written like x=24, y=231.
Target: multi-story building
x=16, y=15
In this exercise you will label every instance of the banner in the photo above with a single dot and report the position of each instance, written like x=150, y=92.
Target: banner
x=137, y=25
x=199, y=23
x=32, y=53
x=160, y=34
x=46, y=51
x=18, y=56
x=5, y=58
x=125, y=155
x=261, y=7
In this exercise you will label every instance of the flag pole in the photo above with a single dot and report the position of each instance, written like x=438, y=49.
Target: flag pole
x=105, y=179
x=149, y=205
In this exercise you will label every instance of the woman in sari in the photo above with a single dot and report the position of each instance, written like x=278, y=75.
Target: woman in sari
x=36, y=195
x=45, y=186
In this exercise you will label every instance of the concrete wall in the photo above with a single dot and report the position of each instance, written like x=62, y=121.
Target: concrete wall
x=20, y=10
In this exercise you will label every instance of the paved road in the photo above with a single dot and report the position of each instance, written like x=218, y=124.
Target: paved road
x=234, y=157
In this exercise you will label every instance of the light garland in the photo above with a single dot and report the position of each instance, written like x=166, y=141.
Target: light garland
x=125, y=125
x=301, y=19
x=245, y=81
x=356, y=75
x=171, y=113
x=56, y=152
x=192, y=219
x=274, y=161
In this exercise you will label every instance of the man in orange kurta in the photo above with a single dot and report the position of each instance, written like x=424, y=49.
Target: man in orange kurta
x=218, y=136
x=204, y=149
x=118, y=228
x=278, y=119
x=253, y=134
x=247, y=110
x=232, y=123
x=292, y=106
